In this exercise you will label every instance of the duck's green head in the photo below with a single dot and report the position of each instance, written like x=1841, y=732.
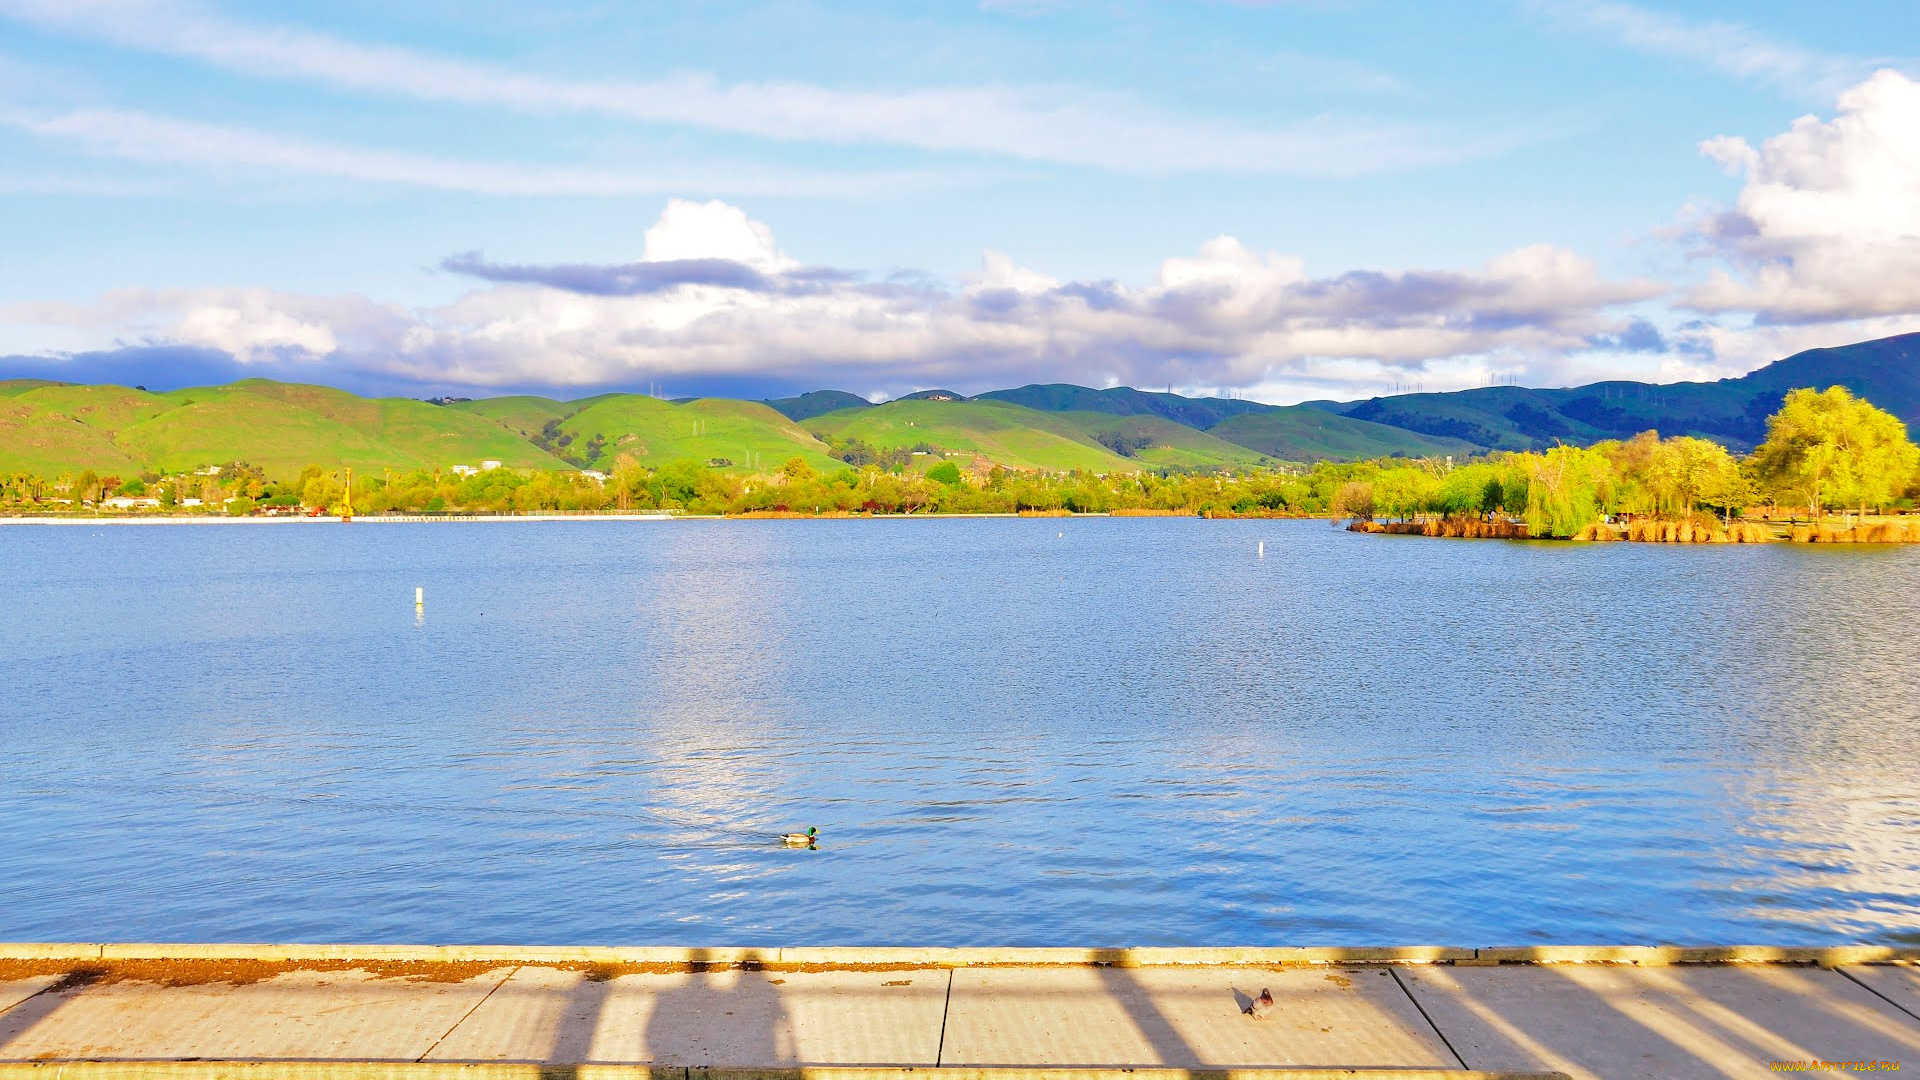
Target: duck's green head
x=811, y=831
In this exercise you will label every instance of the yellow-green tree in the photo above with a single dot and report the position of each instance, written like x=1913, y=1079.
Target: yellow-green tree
x=1404, y=492
x=1685, y=470
x=1828, y=448
x=321, y=492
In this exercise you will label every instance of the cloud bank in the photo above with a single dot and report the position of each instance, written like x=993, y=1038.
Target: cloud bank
x=713, y=296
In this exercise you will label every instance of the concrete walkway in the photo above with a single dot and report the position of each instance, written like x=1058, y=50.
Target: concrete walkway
x=479, y=1014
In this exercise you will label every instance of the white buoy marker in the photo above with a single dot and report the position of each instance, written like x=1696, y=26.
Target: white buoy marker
x=1263, y=549
x=419, y=597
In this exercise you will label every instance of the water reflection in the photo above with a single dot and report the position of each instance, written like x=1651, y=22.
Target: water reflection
x=1134, y=733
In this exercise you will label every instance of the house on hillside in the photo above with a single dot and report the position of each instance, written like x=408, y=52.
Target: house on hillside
x=463, y=470
x=489, y=465
x=130, y=502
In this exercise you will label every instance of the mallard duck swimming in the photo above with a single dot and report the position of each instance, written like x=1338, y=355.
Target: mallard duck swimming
x=800, y=839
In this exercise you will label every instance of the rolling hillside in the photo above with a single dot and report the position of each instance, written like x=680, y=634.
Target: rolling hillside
x=1155, y=442
x=50, y=428
x=281, y=427
x=1004, y=433
x=1290, y=432
x=743, y=434
x=1302, y=434
x=1201, y=413
x=1733, y=411
x=522, y=414
x=816, y=403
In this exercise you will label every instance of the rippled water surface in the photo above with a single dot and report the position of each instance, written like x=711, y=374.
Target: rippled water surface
x=1091, y=731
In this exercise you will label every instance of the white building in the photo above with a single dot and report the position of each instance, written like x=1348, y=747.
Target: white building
x=489, y=465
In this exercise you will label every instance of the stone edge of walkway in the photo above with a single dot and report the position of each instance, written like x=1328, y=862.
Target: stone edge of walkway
x=853, y=957
x=397, y=1070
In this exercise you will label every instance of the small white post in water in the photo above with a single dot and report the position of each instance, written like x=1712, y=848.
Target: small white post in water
x=419, y=597
x=1263, y=549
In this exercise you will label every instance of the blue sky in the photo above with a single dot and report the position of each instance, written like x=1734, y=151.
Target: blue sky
x=1319, y=198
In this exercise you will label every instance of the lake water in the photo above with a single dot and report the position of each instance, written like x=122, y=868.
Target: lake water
x=1022, y=732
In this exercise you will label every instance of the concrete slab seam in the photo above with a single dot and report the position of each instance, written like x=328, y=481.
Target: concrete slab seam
x=1422, y=1010
x=1869, y=988
x=464, y=1016
x=946, y=1010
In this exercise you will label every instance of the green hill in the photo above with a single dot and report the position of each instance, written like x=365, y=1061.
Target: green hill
x=1003, y=433
x=817, y=403
x=745, y=434
x=10, y=387
x=1202, y=413
x=50, y=428
x=522, y=414
x=1732, y=411
x=43, y=440
x=281, y=427
x=1156, y=442
x=1297, y=433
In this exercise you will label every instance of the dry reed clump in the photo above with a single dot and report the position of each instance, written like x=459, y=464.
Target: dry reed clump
x=1471, y=528
x=1692, y=531
x=1599, y=531
x=1046, y=513
x=1882, y=532
x=1143, y=512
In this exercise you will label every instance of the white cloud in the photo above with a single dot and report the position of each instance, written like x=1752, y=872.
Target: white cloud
x=1827, y=224
x=1729, y=48
x=713, y=230
x=1054, y=124
x=1225, y=316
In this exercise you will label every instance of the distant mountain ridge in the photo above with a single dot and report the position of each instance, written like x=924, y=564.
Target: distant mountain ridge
x=51, y=427
x=1732, y=411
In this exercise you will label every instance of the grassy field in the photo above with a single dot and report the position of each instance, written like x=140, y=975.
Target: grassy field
x=1006, y=434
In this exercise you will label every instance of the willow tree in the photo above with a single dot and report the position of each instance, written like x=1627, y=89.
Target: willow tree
x=1832, y=449
x=1569, y=489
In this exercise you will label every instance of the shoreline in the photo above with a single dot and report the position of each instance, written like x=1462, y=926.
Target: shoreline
x=870, y=957
x=1900, y=531
x=432, y=519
